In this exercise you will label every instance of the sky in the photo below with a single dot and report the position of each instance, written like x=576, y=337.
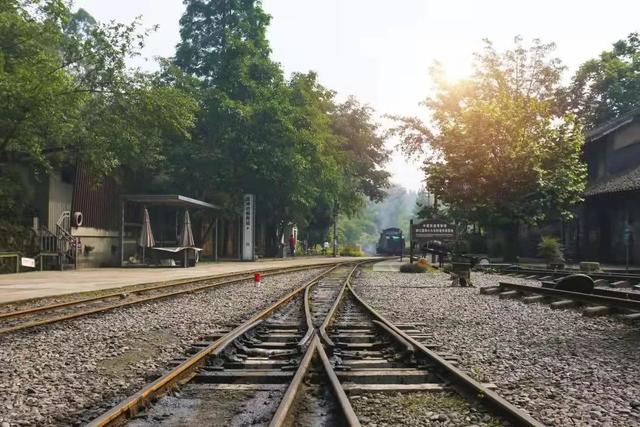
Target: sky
x=381, y=51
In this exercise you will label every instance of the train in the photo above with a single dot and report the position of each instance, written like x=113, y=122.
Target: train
x=391, y=242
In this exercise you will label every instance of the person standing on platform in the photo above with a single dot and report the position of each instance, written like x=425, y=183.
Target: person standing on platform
x=325, y=247
x=292, y=245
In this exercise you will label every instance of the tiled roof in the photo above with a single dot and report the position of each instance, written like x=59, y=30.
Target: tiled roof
x=610, y=126
x=627, y=181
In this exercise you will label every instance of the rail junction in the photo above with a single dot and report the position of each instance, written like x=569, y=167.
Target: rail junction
x=311, y=349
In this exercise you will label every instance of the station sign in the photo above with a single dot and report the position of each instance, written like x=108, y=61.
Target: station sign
x=432, y=229
x=248, y=227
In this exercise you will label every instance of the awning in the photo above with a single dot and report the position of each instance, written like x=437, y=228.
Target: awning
x=168, y=200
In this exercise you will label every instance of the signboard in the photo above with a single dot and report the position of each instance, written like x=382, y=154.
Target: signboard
x=248, y=227
x=432, y=229
x=28, y=262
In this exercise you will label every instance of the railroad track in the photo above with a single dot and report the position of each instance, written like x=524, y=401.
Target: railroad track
x=295, y=363
x=19, y=320
x=598, y=303
x=601, y=279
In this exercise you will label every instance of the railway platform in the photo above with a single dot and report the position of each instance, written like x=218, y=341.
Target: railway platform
x=38, y=284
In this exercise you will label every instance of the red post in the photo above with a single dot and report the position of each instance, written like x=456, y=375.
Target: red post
x=257, y=277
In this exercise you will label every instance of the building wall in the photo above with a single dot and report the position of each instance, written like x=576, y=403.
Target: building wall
x=99, y=248
x=604, y=221
x=60, y=196
x=605, y=216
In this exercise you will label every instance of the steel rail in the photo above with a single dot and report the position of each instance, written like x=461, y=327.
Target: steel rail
x=132, y=404
x=343, y=400
x=315, y=347
x=308, y=319
x=631, y=304
x=244, y=276
x=322, y=330
x=136, y=289
x=463, y=382
x=294, y=386
x=561, y=273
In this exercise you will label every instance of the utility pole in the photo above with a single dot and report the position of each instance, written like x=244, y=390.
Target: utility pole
x=335, y=237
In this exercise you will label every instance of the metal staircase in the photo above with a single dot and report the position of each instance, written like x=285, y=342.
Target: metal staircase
x=61, y=245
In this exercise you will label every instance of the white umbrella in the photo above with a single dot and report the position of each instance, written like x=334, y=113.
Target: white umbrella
x=186, y=235
x=146, y=235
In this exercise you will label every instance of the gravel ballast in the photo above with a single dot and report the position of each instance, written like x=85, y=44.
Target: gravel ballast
x=563, y=368
x=64, y=374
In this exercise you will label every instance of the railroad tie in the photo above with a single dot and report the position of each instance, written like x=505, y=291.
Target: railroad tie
x=601, y=282
x=490, y=290
x=509, y=294
x=620, y=284
x=632, y=316
x=533, y=298
x=565, y=303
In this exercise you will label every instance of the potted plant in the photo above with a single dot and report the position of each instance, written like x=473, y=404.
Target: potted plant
x=551, y=250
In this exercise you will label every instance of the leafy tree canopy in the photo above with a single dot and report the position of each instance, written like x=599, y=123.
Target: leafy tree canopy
x=608, y=86
x=286, y=140
x=68, y=96
x=497, y=150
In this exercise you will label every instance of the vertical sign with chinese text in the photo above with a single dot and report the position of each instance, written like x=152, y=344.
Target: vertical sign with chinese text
x=248, y=227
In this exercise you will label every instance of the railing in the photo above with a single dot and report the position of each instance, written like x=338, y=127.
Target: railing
x=68, y=243
x=48, y=240
x=62, y=242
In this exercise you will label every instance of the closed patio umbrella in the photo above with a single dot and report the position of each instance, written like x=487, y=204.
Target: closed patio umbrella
x=146, y=235
x=186, y=235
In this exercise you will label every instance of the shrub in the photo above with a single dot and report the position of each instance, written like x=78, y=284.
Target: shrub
x=351, y=251
x=590, y=266
x=550, y=249
x=413, y=268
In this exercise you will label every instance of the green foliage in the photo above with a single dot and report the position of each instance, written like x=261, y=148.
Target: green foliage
x=608, y=86
x=500, y=151
x=351, y=251
x=69, y=98
x=550, y=249
x=363, y=228
x=413, y=268
x=217, y=121
x=590, y=266
x=288, y=141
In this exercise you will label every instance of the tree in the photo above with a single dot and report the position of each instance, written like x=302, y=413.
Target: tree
x=500, y=154
x=608, y=86
x=362, y=152
x=68, y=97
x=284, y=140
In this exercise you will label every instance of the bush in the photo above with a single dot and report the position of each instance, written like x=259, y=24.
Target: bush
x=590, y=266
x=413, y=268
x=351, y=251
x=551, y=250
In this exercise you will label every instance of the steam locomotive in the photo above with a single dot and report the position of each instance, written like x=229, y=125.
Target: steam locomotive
x=391, y=242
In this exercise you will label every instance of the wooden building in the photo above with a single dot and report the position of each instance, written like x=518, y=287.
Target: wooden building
x=610, y=215
x=60, y=196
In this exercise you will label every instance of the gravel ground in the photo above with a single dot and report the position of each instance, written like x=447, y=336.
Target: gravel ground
x=564, y=369
x=419, y=409
x=60, y=373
